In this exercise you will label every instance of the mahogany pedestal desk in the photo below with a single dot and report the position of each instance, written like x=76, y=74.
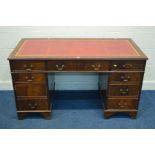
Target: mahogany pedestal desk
x=120, y=59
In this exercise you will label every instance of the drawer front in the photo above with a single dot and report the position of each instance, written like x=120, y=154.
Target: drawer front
x=28, y=77
x=126, y=78
x=32, y=104
x=127, y=65
x=93, y=66
x=27, y=65
x=122, y=104
x=61, y=66
x=31, y=90
x=124, y=90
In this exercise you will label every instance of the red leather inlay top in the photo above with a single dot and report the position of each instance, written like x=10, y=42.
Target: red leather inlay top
x=70, y=48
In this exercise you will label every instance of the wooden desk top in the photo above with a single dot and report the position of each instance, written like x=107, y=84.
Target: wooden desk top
x=77, y=49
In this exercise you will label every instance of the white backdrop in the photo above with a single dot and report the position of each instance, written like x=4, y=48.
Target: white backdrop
x=143, y=36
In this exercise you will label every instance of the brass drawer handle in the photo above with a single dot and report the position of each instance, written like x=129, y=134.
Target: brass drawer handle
x=124, y=91
x=60, y=67
x=28, y=68
x=31, y=66
x=122, y=105
x=127, y=66
x=29, y=79
x=96, y=67
x=125, y=79
x=32, y=106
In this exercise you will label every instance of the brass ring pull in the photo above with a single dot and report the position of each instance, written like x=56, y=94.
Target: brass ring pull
x=60, y=67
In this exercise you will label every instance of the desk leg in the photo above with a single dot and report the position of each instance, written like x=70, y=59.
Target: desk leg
x=21, y=115
x=133, y=114
x=46, y=115
x=108, y=114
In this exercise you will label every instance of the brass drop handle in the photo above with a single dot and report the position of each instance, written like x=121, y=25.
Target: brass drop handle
x=32, y=106
x=96, y=67
x=124, y=91
x=127, y=66
x=60, y=67
x=125, y=79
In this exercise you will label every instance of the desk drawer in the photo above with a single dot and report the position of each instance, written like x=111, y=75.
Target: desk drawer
x=122, y=104
x=61, y=66
x=127, y=65
x=124, y=90
x=126, y=78
x=93, y=66
x=27, y=65
x=31, y=90
x=32, y=104
x=29, y=77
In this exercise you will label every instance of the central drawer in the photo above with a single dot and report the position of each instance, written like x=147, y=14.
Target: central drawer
x=31, y=89
x=123, y=90
x=93, y=65
x=61, y=65
x=32, y=104
x=86, y=65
